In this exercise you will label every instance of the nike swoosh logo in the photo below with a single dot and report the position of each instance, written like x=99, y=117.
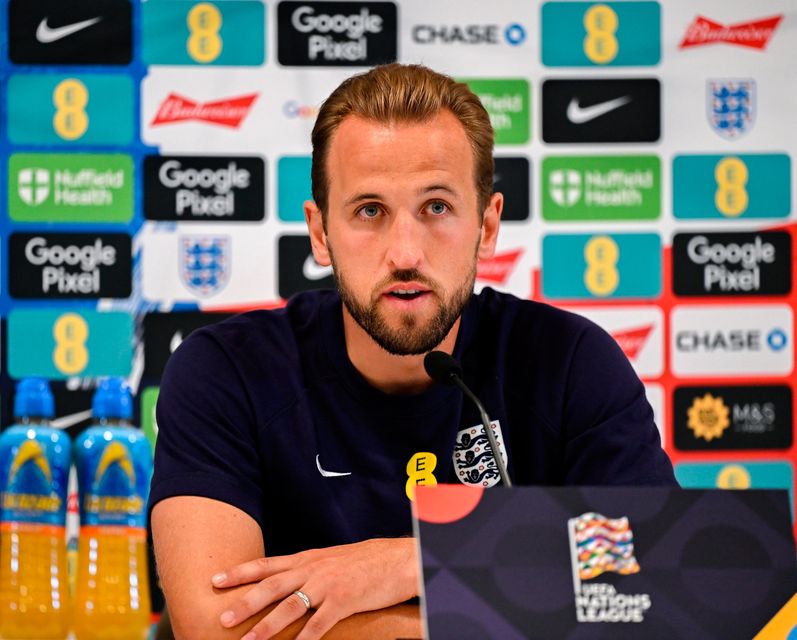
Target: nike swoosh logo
x=64, y=422
x=328, y=474
x=45, y=34
x=579, y=115
x=176, y=341
x=314, y=271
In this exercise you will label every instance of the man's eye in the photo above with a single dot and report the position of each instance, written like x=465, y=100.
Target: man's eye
x=438, y=208
x=370, y=211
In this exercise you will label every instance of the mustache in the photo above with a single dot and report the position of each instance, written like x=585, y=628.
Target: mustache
x=406, y=275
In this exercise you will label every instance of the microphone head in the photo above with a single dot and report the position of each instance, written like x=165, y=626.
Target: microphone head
x=441, y=367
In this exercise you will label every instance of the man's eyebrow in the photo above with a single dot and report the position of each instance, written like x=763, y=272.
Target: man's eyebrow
x=360, y=197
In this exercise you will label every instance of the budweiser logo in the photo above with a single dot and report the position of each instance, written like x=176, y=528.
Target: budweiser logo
x=498, y=268
x=631, y=341
x=228, y=113
x=755, y=34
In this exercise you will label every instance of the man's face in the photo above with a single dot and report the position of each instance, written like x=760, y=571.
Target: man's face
x=403, y=229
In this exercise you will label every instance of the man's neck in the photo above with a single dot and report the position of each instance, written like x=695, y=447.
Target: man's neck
x=386, y=372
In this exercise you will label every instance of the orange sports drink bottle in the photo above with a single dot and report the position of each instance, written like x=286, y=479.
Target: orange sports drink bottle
x=34, y=468
x=114, y=465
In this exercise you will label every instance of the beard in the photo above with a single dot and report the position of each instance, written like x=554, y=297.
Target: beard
x=412, y=337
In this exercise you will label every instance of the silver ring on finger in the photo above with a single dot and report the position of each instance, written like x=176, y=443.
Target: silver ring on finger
x=304, y=598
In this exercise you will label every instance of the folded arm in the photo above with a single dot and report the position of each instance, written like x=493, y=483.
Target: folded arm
x=197, y=539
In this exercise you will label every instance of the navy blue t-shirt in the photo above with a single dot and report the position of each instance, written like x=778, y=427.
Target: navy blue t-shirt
x=265, y=411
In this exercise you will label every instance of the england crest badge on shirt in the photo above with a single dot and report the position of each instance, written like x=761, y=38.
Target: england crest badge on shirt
x=473, y=460
x=205, y=263
x=731, y=106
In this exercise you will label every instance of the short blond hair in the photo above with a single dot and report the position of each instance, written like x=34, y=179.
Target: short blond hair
x=404, y=93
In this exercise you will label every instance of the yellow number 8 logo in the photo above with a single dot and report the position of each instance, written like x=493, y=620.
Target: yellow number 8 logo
x=70, y=355
x=204, y=23
x=601, y=23
x=70, y=99
x=731, y=197
x=601, y=277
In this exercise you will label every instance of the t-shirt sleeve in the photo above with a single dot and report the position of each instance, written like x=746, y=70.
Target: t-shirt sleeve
x=611, y=436
x=206, y=442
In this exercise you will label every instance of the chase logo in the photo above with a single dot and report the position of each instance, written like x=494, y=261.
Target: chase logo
x=585, y=34
x=60, y=343
x=187, y=32
x=583, y=266
x=293, y=187
x=58, y=109
x=513, y=34
x=737, y=186
x=732, y=340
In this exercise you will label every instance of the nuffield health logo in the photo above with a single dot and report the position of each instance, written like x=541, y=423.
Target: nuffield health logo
x=598, y=545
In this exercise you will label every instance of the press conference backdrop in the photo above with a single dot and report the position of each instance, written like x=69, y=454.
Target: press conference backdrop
x=156, y=158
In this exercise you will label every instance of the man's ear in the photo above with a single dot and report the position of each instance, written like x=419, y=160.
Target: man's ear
x=490, y=220
x=318, y=237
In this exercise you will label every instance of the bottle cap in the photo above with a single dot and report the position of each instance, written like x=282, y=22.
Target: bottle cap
x=34, y=399
x=112, y=399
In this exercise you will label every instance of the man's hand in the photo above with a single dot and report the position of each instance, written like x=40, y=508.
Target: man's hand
x=339, y=581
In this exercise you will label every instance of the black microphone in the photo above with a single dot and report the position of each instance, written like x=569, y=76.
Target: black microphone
x=442, y=368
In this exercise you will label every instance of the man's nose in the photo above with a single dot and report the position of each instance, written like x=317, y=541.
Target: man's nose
x=405, y=241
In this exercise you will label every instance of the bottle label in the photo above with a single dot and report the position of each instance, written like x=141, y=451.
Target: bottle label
x=114, y=473
x=34, y=466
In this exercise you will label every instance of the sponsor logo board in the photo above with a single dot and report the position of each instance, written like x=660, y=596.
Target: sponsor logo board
x=507, y=103
x=601, y=187
x=732, y=186
x=149, y=421
x=739, y=474
x=293, y=187
x=732, y=417
x=639, y=331
x=61, y=109
x=732, y=264
x=189, y=32
x=52, y=32
x=608, y=110
x=61, y=343
x=498, y=269
x=732, y=341
x=511, y=178
x=70, y=265
x=298, y=270
x=752, y=34
x=79, y=187
x=336, y=33
x=512, y=34
x=585, y=34
x=204, y=188
x=225, y=112
x=618, y=265
x=164, y=332
x=730, y=106
x=211, y=264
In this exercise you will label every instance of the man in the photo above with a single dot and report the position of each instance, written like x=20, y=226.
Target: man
x=291, y=439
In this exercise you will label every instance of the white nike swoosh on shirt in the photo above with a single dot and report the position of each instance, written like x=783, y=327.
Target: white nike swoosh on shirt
x=45, y=34
x=314, y=271
x=64, y=422
x=328, y=474
x=579, y=115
